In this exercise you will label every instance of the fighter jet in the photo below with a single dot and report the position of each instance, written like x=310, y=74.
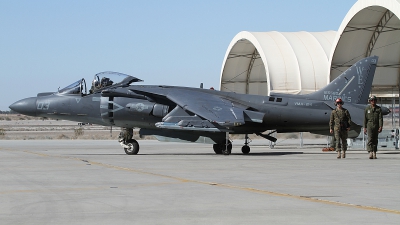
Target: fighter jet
x=201, y=115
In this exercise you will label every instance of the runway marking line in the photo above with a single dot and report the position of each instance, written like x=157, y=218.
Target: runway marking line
x=253, y=190
x=272, y=193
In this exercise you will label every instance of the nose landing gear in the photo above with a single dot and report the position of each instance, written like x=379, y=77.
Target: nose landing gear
x=131, y=146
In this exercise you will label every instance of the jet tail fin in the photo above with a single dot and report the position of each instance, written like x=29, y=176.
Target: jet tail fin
x=353, y=85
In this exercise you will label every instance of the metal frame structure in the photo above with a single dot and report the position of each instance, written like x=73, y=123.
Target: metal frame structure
x=289, y=58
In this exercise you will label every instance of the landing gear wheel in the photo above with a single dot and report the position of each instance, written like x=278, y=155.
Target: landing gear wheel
x=226, y=150
x=133, y=147
x=221, y=149
x=217, y=149
x=245, y=149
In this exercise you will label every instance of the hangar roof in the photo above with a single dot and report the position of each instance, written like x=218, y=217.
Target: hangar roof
x=303, y=62
x=285, y=62
x=370, y=27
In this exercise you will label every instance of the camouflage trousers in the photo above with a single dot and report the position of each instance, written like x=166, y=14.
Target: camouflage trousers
x=341, y=140
x=372, y=144
x=333, y=142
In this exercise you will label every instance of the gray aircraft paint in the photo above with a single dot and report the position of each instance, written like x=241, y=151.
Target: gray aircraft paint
x=203, y=115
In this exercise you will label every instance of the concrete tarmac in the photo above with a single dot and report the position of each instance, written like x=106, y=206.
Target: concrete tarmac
x=94, y=182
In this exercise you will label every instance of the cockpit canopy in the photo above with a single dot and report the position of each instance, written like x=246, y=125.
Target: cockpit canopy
x=77, y=87
x=100, y=81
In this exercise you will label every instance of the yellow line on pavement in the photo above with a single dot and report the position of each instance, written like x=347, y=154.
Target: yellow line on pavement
x=277, y=194
x=378, y=209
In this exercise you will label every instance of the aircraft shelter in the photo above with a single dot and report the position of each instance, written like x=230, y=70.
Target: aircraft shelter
x=303, y=62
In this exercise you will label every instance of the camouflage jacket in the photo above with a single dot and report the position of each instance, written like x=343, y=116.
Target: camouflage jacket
x=338, y=115
x=373, y=116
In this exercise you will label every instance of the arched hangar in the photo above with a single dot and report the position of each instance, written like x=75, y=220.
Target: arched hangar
x=303, y=62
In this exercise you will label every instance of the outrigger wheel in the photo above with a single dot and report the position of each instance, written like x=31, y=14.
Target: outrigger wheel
x=133, y=147
x=246, y=149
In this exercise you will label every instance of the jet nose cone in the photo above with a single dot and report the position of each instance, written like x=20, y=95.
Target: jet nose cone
x=25, y=106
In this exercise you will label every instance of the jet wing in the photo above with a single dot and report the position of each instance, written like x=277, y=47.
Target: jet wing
x=205, y=104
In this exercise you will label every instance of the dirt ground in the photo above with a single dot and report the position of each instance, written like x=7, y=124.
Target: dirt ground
x=20, y=127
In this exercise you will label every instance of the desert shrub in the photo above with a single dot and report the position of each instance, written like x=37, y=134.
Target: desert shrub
x=2, y=132
x=62, y=136
x=8, y=118
x=78, y=132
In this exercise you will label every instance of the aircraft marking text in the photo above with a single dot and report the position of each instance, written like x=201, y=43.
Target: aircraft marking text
x=43, y=105
x=332, y=96
x=303, y=103
x=360, y=76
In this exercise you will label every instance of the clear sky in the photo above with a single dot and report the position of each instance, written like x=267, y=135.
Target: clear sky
x=49, y=44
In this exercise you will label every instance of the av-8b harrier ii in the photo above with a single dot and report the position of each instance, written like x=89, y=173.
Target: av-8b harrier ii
x=202, y=115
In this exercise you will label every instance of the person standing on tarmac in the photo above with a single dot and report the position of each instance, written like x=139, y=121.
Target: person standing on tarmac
x=373, y=123
x=339, y=125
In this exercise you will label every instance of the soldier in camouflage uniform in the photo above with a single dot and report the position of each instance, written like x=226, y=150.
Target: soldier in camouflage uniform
x=373, y=123
x=339, y=125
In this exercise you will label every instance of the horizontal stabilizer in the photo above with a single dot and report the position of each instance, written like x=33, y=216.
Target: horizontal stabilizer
x=353, y=132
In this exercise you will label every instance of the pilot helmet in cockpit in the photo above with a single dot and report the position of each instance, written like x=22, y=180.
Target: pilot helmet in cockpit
x=105, y=81
x=95, y=83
